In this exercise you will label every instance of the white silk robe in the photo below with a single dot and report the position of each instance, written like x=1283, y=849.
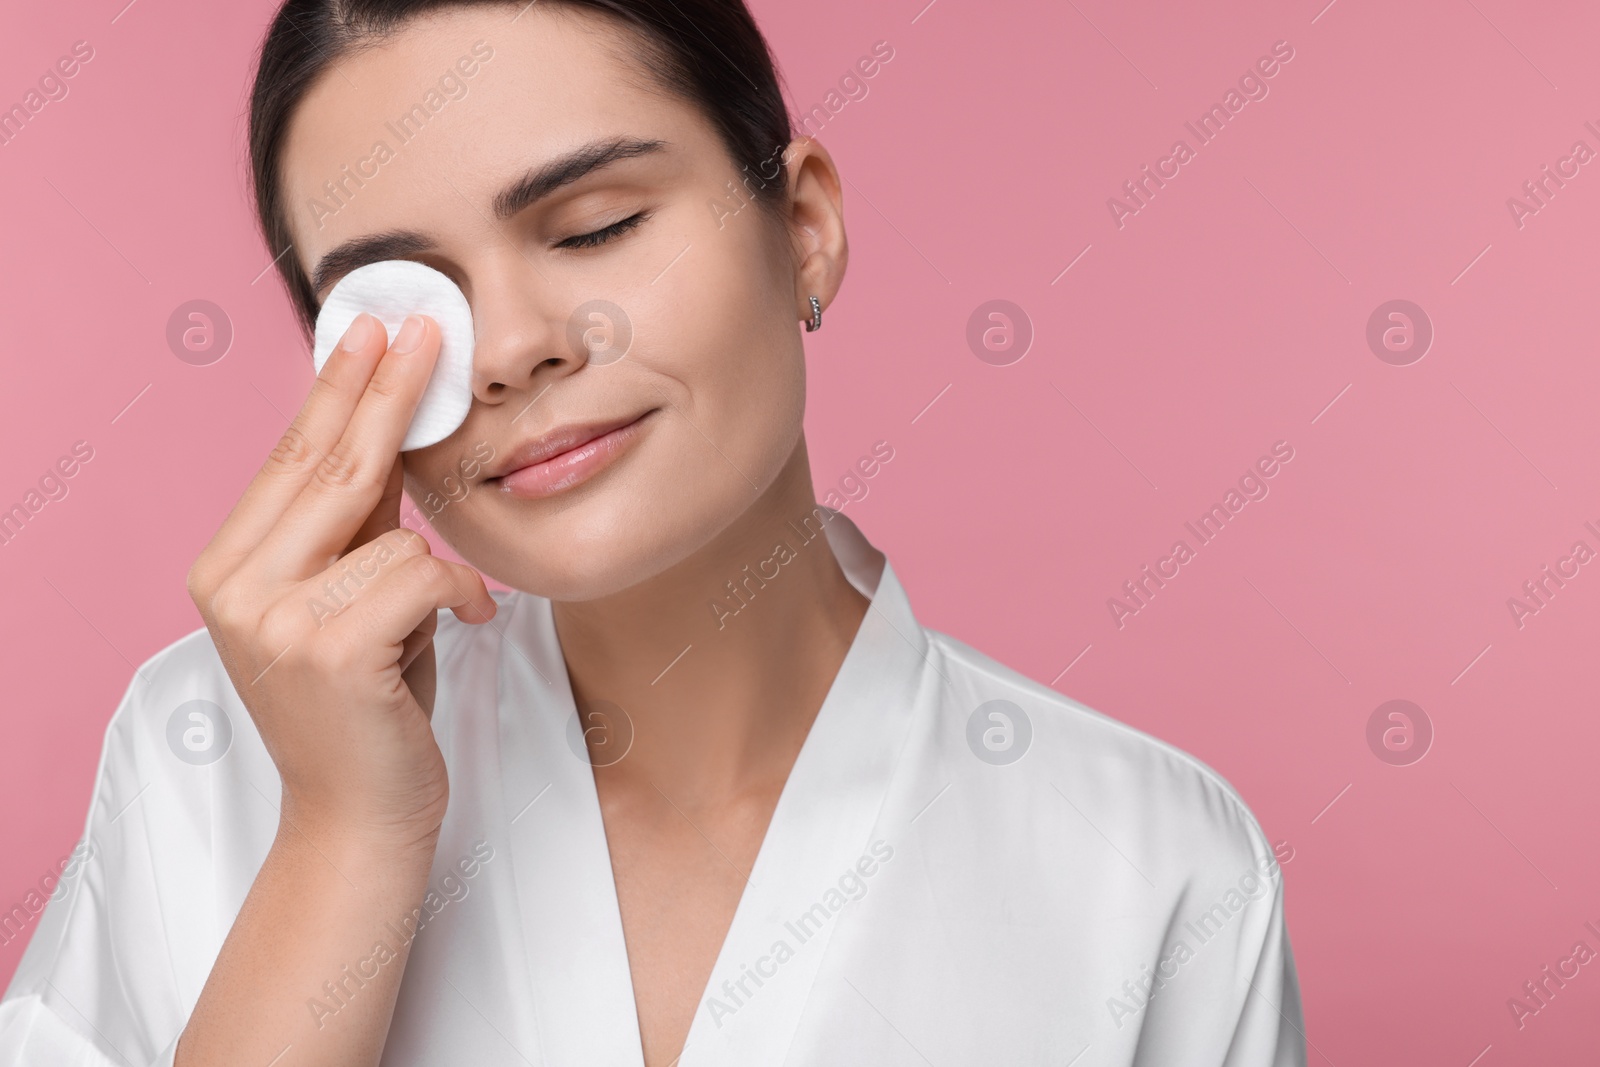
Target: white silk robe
x=964, y=868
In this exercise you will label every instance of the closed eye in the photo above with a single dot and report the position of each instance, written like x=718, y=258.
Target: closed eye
x=600, y=237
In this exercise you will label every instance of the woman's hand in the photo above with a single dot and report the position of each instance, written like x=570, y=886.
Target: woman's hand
x=323, y=607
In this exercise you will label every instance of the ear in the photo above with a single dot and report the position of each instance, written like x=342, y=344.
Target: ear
x=816, y=224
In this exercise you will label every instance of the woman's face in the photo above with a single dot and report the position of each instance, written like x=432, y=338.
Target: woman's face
x=714, y=370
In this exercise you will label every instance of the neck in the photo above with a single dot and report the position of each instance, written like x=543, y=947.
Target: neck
x=722, y=661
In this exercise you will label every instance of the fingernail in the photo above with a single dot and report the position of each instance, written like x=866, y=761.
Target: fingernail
x=410, y=335
x=359, y=333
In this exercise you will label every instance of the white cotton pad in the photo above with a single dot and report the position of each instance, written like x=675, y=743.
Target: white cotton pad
x=390, y=290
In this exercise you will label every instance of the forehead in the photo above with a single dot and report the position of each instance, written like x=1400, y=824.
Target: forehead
x=451, y=104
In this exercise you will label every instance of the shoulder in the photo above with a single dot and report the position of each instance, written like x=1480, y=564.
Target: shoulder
x=186, y=670
x=1163, y=806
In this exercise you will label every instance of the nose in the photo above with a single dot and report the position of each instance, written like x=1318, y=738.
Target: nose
x=520, y=336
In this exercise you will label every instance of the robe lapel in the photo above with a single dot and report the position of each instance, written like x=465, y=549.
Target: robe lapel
x=820, y=830
x=571, y=923
x=466, y=993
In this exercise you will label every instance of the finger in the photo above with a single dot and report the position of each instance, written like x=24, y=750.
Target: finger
x=419, y=666
x=347, y=484
x=418, y=640
x=422, y=678
x=386, y=516
x=388, y=610
x=313, y=432
x=332, y=592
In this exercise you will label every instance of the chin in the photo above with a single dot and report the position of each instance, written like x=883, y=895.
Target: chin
x=578, y=554
x=575, y=577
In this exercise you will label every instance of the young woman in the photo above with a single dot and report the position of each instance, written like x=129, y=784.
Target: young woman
x=701, y=790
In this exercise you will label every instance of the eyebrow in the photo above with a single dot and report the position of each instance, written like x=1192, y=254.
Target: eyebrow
x=533, y=186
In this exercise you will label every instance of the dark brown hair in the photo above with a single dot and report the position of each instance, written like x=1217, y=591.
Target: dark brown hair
x=709, y=53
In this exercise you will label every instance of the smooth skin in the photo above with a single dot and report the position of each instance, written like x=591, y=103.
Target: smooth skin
x=632, y=558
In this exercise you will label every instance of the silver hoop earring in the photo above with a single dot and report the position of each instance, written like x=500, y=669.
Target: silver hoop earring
x=816, y=316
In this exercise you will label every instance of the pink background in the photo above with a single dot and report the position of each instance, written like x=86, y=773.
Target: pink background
x=1228, y=314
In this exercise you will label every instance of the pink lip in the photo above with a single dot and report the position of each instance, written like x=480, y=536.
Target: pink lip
x=578, y=463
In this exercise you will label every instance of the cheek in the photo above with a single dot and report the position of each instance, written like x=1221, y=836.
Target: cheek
x=425, y=470
x=732, y=347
